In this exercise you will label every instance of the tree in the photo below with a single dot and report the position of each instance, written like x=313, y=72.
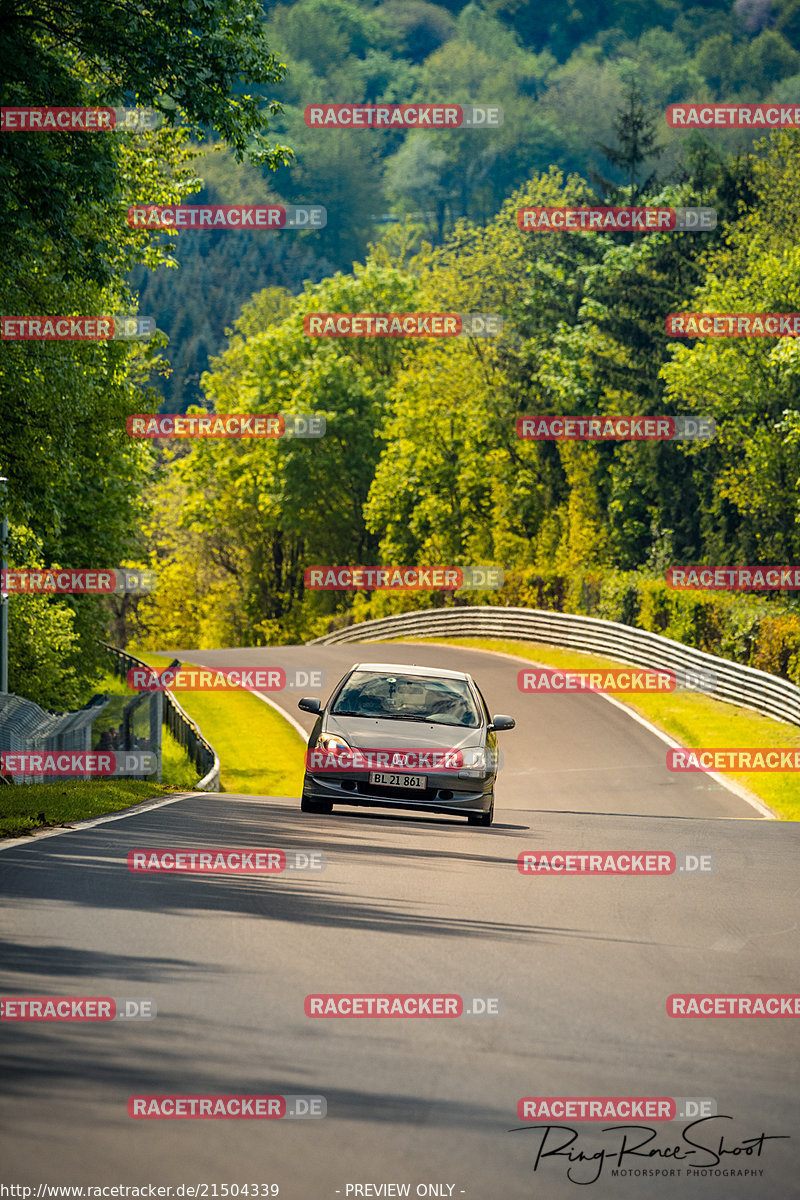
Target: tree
x=751, y=386
x=76, y=481
x=636, y=135
x=242, y=520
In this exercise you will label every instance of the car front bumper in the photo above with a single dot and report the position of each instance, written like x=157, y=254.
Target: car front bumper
x=444, y=793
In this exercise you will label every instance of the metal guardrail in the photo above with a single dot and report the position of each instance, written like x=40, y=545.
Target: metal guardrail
x=179, y=723
x=718, y=677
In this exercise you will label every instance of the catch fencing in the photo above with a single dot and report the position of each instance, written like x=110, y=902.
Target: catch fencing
x=27, y=728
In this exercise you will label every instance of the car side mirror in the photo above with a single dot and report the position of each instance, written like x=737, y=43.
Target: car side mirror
x=310, y=704
x=501, y=722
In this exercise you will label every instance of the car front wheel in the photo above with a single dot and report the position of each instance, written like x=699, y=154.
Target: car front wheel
x=316, y=806
x=482, y=818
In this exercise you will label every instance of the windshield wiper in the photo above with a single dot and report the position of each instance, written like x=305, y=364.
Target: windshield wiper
x=376, y=716
x=406, y=717
x=451, y=724
x=429, y=721
x=400, y=717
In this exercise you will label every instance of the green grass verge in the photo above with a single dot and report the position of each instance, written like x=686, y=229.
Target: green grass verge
x=246, y=734
x=691, y=718
x=31, y=806
x=260, y=753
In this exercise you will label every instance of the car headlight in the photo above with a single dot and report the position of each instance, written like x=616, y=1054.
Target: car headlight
x=476, y=762
x=333, y=743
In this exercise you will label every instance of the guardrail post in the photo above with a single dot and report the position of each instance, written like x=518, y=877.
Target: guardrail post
x=156, y=722
x=201, y=753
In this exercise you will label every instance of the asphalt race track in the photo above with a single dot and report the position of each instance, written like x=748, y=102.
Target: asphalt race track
x=582, y=967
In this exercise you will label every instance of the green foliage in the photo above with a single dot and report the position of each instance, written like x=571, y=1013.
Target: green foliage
x=751, y=386
x=419, y=28
x=753, y=631
x=560, y=75
x=236, y=523
x=44, y=654
x=76, y=482
x=422, y=464
x=323, y=32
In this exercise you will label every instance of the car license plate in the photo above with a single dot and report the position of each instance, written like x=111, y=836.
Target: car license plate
x=393, y=779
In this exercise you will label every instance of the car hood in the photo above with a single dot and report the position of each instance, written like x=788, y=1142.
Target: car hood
x=381, y=733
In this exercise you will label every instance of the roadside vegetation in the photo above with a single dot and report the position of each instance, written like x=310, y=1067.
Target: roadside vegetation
x=33, y=806
x=420, y=463
x=261, y=754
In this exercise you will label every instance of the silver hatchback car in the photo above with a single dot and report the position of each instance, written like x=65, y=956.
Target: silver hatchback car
x=403, y=737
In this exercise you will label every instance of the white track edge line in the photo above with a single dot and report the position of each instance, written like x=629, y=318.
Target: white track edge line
x=38, y=835
x=283, y=713
x=736, y=788
x=147, y=806
x=731, y=786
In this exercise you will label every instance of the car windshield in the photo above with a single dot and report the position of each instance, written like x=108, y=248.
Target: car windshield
x=407, y=698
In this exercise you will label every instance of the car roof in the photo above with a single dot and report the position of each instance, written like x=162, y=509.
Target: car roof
x=410, y=669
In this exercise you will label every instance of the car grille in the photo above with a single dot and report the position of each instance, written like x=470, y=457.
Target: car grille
x=378, y=789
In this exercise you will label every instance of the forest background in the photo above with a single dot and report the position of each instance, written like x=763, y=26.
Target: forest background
x=420, y=462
